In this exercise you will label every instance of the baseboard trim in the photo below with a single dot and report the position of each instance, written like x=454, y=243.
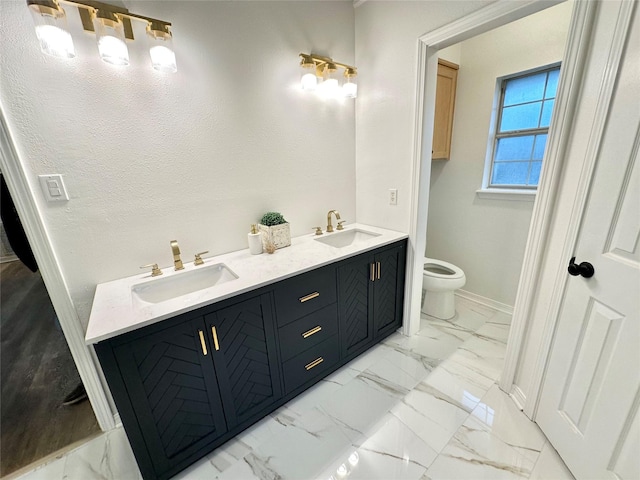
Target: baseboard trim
x=474, y=297
x=518, y=397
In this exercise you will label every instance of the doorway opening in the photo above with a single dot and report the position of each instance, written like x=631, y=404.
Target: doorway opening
x=484, y=230
x=578, y=40
x=43, y=405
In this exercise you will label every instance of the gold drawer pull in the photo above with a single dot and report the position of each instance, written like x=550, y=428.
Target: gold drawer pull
x=204, y=345
x=308, y=333
x=378, y=263
x=315, y=363
x=215, y=338
x=311, y=296
x=373, y=272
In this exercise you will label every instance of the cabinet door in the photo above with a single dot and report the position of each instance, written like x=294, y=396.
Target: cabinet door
x=355, y=281
x=445, y=103
x=388, y=290
x=171, y=385
x=244, y=353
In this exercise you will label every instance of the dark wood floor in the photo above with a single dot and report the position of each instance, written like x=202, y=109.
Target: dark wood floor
x=36, y=373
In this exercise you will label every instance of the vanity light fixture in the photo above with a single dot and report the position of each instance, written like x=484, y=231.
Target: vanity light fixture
x=321, y=73
x=111, y=25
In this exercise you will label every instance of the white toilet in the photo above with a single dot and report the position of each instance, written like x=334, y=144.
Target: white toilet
x=440, y=280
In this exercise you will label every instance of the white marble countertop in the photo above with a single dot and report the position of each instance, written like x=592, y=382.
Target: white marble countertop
x=116, y=311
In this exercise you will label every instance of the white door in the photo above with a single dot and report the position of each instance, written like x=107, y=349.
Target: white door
x=591, y=393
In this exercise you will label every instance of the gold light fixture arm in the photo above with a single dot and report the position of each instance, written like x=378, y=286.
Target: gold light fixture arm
x=88, y=7
x=320, y=60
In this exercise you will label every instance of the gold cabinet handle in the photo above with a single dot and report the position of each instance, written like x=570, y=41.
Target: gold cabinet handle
x=204, y=345
x=214, y=332
x=378, y=264
x=308, y=333
x=373, y=273
x=315, y=363
x=311, y=296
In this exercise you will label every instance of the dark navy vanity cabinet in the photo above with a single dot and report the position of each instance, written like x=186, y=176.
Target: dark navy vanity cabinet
x=371, y=291
x=186, y=385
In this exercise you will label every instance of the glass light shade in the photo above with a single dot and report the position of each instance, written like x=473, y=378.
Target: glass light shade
x=350, y=87
x=110, y=37
x=161, y=51
x=308, y=79
x=330, y=86
x=52, y=32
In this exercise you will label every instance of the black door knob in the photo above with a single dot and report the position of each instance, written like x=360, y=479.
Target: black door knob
x=585, y=269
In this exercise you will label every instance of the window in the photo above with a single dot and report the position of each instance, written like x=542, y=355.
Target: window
x=522, y=125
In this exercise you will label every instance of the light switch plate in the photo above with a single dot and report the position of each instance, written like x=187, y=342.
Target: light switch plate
x=53, y=188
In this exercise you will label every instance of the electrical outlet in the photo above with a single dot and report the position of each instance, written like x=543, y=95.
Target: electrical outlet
x=393, y=196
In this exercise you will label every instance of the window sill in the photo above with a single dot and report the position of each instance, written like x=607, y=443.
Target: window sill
x=507, y=194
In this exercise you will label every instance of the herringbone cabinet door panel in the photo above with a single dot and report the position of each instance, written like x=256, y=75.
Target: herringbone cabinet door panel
x=176, y=389
x=354, y=285
x=385, y=301
x=251, y=372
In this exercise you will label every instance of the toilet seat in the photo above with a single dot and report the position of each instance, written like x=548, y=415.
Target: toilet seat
x=450, y=271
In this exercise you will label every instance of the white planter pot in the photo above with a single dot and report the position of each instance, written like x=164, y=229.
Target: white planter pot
x=279, y=235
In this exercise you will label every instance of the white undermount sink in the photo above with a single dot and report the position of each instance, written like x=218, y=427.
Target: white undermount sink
x=182, y=283
x=346, y=237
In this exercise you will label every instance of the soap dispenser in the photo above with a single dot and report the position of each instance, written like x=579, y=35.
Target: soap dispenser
x=255, y=240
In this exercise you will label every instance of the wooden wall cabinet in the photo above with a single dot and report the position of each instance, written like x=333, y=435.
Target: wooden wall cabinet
x=186, y=385
x=445, y=104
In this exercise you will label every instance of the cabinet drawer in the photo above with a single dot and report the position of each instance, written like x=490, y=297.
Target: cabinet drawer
x=311, y=363
x=304, y=294
x=308, y=331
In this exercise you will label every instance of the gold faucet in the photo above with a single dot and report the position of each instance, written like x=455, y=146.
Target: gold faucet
x=329, y=226
x=176, y=255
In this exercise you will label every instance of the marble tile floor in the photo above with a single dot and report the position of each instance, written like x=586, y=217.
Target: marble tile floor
x=425, y=407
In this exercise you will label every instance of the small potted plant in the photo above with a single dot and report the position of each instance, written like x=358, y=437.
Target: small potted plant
x=275, y=230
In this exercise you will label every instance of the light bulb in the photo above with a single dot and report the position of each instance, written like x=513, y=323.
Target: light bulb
x=110, y=37
x=330, y=86
x=308, y=79
x=113, y=50
x=51, y=29
x=161, y=51
x=163, y=59
x=350, y=87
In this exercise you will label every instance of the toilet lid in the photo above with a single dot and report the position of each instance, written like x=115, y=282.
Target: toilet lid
x=441, y=269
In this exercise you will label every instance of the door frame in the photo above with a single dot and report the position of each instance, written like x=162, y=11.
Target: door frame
x=578, y=173
x=83, y=355
x=485, y=19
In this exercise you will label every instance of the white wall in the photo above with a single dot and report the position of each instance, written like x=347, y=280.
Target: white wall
x=452, y=53
x=387, y=35
x=487, y=237
x=195, y=156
